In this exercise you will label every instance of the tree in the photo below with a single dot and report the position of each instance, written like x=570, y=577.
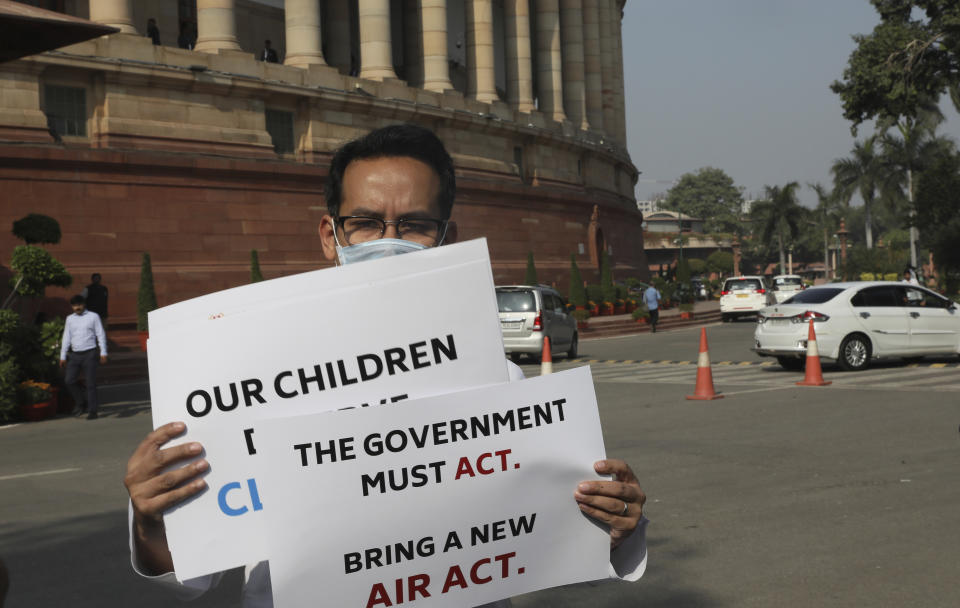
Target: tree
x=531, y=276
x=904, y=156
x=780, y=215
x=709, y=194
x=863, y=172
x=938, y=211
x=146, y=295
x=911, y=56
x=35, y=228
x=34, y=269
x=826, y=217
x=578, y=294
x=606, y=279
x=720, y=262
x=255, y=275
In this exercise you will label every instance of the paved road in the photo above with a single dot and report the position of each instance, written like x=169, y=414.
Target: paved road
x=776, y=495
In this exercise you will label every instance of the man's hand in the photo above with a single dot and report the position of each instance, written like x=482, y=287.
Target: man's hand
x=103, y=358
x=63, y=363
x=154, y=489
x=617, y=503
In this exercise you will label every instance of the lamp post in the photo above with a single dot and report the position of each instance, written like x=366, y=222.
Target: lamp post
x=843, y=233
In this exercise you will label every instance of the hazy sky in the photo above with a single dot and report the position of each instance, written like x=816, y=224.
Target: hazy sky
x=742, y=85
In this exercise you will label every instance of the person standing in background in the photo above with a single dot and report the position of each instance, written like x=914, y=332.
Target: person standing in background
x=651, y=297
x=269, y=55
x=153, y=32
x=78, y=353
x=96, y=297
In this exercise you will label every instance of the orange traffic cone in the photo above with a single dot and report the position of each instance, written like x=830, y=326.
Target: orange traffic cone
x=546, y=359
x=814, y=375
x=704, y=389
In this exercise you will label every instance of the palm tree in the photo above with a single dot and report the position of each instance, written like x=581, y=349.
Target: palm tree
x=911, y=152
x=826, y=214
x=863, y=171
x=779, y=214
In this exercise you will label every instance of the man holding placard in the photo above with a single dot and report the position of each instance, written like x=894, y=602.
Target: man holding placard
x=389, y=192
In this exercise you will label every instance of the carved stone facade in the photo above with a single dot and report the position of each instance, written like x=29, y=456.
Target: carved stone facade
x=199, y=156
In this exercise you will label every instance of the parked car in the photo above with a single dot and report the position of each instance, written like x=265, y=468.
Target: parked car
x=527, y=314
x=858, y=322
x=785, y=286
x=742, y=296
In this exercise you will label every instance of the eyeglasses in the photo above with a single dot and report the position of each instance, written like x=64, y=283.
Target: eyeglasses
x=360, y=229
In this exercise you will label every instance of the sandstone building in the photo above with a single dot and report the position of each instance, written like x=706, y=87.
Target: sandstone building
x=198, y=155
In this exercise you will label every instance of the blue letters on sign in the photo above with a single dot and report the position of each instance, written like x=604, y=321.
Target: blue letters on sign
x=235, y=485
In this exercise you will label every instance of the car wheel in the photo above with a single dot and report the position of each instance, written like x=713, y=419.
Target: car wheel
x=791, y=364
x=854, y=353
x=572, y=353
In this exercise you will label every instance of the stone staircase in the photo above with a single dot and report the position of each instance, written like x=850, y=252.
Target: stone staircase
x=127, y=362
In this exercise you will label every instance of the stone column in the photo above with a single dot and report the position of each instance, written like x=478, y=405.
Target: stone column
x=619, y=93
x=549, y=70
x=338, y=35
x=480, y=78
x=216, y=26
x=517, y=54
x=117, y=13
x=606, y=68
x=304, y=38
x=574, y=91
x=376, y=55
x=436, y=69
x=591, y=63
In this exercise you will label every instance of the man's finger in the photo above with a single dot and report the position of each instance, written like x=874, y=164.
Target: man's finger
x=168, y=500
x=627, y=492
x=620, y=470
x=171, y=480
x=160, y=436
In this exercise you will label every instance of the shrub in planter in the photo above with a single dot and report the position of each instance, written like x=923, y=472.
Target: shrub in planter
x=606, y=308
x=631, y=306
x=686, y=310
x=592, y=308
x=619, y=307
x=582, y=317
x=146, y=299
x=594, y=293
x=578, y=293
x=641, y=314
x=255, y=275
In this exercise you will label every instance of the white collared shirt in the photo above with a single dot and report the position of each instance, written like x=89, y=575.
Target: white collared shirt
x=82, y=332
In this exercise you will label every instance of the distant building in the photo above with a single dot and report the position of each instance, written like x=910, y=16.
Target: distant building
x=648, y=207
x=661, y=242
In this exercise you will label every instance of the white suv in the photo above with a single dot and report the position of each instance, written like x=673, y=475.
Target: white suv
x=742, y=296
x=785, y=286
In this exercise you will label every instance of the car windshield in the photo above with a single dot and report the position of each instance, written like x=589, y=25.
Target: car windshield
x=740, y=284
x=515, y=301
x=788, y=282
x=816, y=295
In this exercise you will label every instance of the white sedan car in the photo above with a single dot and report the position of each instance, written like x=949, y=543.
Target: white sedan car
x=857, y=322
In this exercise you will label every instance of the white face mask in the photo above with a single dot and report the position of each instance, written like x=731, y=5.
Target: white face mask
x=372, y=250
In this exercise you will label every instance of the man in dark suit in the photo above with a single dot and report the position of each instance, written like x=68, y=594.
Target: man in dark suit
x=268, y=54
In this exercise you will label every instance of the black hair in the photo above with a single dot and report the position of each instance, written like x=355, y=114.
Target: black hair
x=390, y=142
x=77, y=299
x=95, y=276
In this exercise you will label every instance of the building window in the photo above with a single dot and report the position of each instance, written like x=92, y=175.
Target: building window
x=280, y=128
x=66, y=109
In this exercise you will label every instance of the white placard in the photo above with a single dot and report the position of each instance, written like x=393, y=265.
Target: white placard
x=453, y=500
x=387, y=338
